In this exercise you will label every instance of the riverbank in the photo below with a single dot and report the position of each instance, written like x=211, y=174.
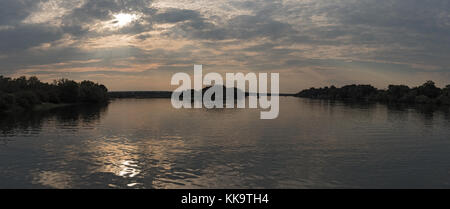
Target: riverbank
x=139, y=94
x=160, y=94
x=427, y=93
x=49, y=106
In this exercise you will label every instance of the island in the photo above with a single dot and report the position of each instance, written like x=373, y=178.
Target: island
x=168, y=94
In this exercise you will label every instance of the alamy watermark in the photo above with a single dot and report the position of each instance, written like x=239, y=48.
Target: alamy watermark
x=235, y=95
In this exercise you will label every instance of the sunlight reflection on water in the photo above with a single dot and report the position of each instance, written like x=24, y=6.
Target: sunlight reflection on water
x=148, y=144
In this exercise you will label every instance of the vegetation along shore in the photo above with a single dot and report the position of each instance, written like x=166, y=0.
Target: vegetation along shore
x=427, y=93
x=21, y=94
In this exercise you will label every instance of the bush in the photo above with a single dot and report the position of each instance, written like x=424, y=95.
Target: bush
x=27, y=99
x=93, y=93
x=68, y=91
x=42, y=95
x=444, y=99
x=445, y=96
x=422, y=99
x=7, y=101
x=429, y=89
x=53, y=97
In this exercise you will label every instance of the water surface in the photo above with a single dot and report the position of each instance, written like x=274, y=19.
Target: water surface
x=147, y=144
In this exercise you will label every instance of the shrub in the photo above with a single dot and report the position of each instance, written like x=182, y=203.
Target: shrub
x=422, y=99
x=27, y=99
x=92, y=92
x=68, y=91
x=7, y=101
x=429, y=89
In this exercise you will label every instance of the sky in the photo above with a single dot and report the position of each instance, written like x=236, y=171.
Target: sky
x=140, y=44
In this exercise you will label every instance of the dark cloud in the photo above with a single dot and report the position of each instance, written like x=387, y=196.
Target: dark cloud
x=14, y=11
x=409, y=31
x=241, y=27
x=25, y=36
x=246, y=27
x=16, y=36
x=178, y=15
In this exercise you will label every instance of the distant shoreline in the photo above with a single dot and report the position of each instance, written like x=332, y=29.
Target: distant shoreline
x=159, y=94
x=427, y=93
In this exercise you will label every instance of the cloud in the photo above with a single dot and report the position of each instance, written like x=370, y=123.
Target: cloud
x=13, y=11
x=26, y=36
x=302, y=38
x=174, y=15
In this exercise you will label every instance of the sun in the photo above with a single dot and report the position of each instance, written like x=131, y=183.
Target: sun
x=123, y=19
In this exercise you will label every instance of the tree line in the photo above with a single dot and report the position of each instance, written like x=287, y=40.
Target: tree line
x=24, y=93
x=427, y=93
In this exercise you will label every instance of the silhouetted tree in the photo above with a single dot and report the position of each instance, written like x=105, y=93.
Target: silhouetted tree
x=92, y=92
x=429, y=89
x=426, y=93
x=445, y=96
x=68, y=90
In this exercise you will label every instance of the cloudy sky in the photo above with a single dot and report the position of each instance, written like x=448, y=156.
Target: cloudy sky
x=139, y=44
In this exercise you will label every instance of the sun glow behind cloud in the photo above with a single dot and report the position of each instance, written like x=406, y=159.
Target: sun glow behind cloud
x=123, y=19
